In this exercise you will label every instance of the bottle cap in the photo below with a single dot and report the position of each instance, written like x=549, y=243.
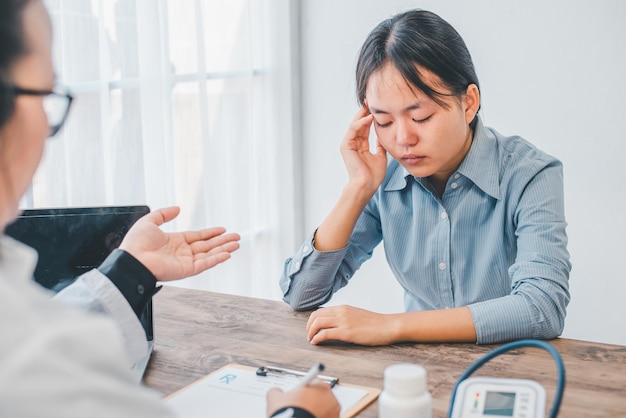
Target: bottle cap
x=405, y=379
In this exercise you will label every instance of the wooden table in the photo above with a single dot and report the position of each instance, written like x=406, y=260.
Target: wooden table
x=197, y=332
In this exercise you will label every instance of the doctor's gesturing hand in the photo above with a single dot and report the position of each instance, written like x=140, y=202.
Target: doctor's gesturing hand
x=176, y=255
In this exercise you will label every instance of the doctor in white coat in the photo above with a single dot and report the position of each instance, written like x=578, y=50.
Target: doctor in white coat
x=57, y=360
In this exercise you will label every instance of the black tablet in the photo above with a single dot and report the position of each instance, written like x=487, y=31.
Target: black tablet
x=72, y=241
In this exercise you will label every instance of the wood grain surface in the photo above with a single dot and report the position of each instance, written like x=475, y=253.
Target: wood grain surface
x=197, y=332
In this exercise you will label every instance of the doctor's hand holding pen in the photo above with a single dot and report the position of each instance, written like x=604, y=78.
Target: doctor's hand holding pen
x=311, y=398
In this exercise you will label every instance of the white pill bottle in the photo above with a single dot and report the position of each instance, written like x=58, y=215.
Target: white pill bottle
x=405, y=394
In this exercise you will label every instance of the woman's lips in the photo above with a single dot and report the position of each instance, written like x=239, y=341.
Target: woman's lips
x=412, y=159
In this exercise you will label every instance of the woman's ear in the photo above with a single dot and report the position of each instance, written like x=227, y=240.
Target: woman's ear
x=471, y=102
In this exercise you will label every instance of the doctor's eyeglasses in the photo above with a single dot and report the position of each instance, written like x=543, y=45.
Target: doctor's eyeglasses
x=56, y=104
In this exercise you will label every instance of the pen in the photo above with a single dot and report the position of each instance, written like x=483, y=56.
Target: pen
x=311, y=374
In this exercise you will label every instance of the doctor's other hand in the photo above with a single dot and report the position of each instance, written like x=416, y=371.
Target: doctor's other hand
x=176, y=255
x=316, y=398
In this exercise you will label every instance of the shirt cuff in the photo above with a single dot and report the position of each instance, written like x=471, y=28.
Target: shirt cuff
x=132, y=278
x=292, y=412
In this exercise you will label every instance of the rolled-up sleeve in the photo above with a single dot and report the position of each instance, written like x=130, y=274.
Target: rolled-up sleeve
x=308, y=278
x=536, y=307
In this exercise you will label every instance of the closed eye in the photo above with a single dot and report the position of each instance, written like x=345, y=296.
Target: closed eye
x=422, y=120
x=383, y=125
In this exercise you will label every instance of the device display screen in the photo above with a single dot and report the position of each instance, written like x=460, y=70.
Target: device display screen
x=499, y=403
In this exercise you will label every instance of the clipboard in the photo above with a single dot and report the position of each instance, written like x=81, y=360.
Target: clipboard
x=236, y=390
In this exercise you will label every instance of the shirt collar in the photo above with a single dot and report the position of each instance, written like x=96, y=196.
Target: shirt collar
x=479, y=165
x=397, y=176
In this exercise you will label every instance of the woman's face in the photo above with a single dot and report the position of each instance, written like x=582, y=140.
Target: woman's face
x=22, y=137
x=427, y=139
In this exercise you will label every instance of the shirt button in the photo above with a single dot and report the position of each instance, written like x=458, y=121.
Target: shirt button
x=140, y=289
x=442, y=266
x=454, y=185
x=297, y=264
x=444, y=215
x=457, y=175
x=305, y=249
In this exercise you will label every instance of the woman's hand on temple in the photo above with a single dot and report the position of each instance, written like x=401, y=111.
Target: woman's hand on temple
x=365, y=168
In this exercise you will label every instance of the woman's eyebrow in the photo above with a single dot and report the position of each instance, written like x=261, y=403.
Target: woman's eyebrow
x=377, y=111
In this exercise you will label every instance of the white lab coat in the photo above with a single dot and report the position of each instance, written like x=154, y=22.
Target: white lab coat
x=58, y=361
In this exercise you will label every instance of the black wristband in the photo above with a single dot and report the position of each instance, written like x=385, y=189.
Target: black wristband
x=132, y=278
x=296, y=412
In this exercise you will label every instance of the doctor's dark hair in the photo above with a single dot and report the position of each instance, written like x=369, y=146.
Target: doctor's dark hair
x=418, y=38
x=12, y=47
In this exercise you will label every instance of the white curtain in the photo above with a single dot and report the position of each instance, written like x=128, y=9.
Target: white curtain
x=182, y=102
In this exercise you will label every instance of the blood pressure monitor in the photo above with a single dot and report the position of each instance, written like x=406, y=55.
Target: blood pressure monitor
x=478, y=397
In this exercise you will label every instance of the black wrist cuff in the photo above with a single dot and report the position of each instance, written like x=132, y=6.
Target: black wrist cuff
x=132, y=278
x=297, y=412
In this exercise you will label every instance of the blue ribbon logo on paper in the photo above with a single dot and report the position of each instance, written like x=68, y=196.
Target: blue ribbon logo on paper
x=227, y=378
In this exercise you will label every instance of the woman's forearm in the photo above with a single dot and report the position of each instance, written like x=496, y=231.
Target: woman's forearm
x=444, y=325
x=335, y=231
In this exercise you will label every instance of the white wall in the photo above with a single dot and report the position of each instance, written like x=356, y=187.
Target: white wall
x=553, y=72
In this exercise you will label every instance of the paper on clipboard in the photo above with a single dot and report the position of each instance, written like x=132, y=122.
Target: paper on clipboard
x=236, y=391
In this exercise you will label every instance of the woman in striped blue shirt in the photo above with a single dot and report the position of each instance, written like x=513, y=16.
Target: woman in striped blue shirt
x=472, y=222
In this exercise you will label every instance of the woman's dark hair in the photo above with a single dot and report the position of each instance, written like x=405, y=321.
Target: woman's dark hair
x=12, y=46
x=418, y=38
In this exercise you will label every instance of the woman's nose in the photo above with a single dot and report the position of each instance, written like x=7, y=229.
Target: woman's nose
x=405, y=134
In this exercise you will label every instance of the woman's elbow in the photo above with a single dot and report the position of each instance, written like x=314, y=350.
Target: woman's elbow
x=552, y=325
x=300, y=302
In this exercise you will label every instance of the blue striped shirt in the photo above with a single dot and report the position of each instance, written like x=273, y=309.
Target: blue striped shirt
x=495, y=242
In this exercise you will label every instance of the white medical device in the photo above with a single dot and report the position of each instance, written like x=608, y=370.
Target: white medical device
x=478, y=397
